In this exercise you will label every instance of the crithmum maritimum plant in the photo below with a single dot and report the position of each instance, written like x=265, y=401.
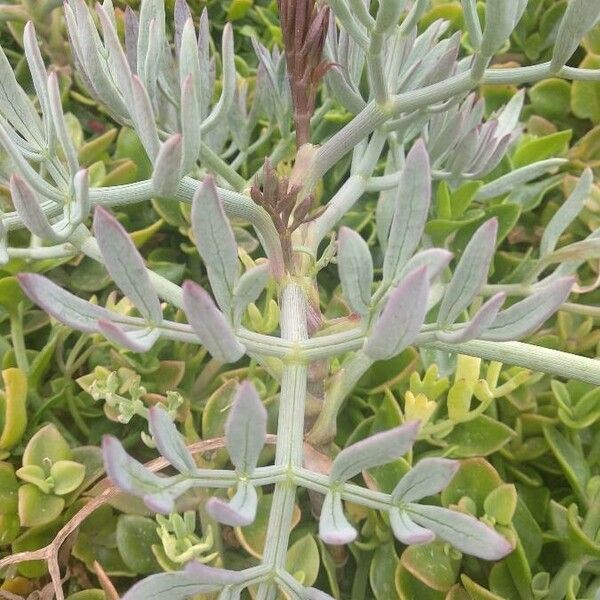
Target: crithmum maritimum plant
x=410, y=94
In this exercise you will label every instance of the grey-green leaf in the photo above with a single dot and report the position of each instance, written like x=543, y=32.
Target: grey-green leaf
x=355, y=266
x=412, y=206
x=374, y=451
x=579, y=18
x=464, y=532
x=246, y=429
x=470, y=274
x=216, y=244
x=565, y=215
x=125, y=265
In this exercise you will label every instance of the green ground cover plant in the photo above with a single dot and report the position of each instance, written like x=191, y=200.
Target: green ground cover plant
x=299, y=300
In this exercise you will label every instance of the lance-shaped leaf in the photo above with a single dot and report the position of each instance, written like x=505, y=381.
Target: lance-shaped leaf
x=60, y=125
x=435, y=259
x=240, y=511
x=511, y=181
x=190, y=129
x=229, y=78
x=143, y=118
x=355, y=266
x=39, y=75
x=484, y=318
x=296, y=591
x=134, y=339
x=412, y=206
x=16, y=106
x=125, y=265
x=565, y=215
x=215, y=242
x=182, y=585
x=501, y=17
x=169, y=441
x=159, y=493
x=470, y=274
x=246, y=429
x=167, y=168
x=401, y=319
x=210, y=325
x=472, y=22
x=26, y=203
x=248, y=289
x=407, y=531
x=529, y=314
x=334, y=528
x=464, y=532
x=428, y=477
x=374, y=451
x=579, y=18
x=62, y=305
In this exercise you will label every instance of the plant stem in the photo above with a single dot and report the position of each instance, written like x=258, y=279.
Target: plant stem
x=536, y=358
x=290, y=432
x=18, y=342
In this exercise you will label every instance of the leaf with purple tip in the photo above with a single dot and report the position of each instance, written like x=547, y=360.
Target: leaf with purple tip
x=125, y=265
x=210, y=325
x=334, y=527
x=407, y=531
x=402, y=317
x=374, y=451
x=529, y=314
x=484, y=318
x=470, y=274
x=136, y=340
x=246, y=429
x=240, y=511
x=167, y=168
x=465, y=532
x=62, y=305
x=428, y=477
x=169, y=441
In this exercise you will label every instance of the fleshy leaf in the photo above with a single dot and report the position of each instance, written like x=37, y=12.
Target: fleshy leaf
x=501, y=19
x=401, y=319
x=182, y=585
x=565, y=215
x=159, y=493
x=470, y=274
x=578, y=19
x=374, y=451
x=412, y=207
x=216, y=243
x=529, y=314
x=246, y=429
x=407, y=531
x=210, y=324
x=248, y=289
x=355, y=266
x=62, y=305
x=435, y=259
x=240, y=511
x=169, y=441
x=334, y=527
x=26, y=203
x=136, y=340
x=484, y=318
x=167, y=168
x=125, y=265
x=428, y=477
x=464, y=532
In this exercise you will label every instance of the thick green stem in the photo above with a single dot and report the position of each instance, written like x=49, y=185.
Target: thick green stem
x=290, y=433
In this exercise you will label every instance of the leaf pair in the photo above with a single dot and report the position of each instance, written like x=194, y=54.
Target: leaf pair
x=217, y=246
x=127, y=269
x=377, y=450
x=29, y=207
x=245, y=435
